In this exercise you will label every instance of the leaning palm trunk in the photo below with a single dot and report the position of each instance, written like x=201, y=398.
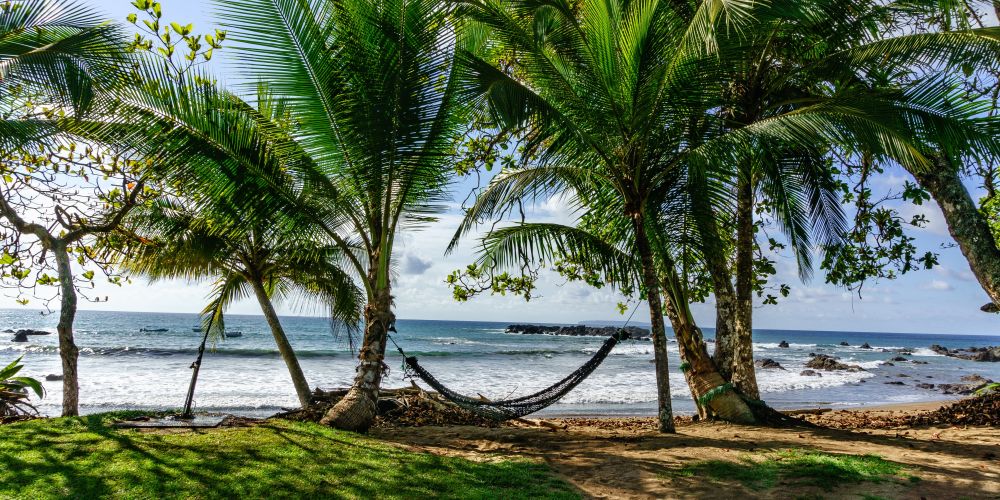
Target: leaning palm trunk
x=965, y=223
x=359, y=407
x=708, y=387
x=658, y=328
x=284, y=347
x=68, y=351
x=675, y=322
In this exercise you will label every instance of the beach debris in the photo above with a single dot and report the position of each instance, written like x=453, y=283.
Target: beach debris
x=810, y=373
x=983, y=409
x=829, y=363
x=783, y=344
x=403, y=407
x=988, y=354
x=768, y=363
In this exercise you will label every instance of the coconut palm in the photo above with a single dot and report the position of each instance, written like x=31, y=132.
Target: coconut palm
x=244, y=256
x=370, y=89
x=621, y=96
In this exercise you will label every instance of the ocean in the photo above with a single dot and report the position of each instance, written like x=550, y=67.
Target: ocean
x=122, y=367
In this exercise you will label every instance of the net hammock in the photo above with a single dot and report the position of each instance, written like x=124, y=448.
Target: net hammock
x=508, y=409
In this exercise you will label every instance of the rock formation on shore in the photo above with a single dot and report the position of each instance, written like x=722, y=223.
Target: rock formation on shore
x=635, y=332
x=829, y=363
x=990, y=354
x=22, y=335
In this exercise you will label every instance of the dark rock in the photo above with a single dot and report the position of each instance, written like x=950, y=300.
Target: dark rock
x=783, y=344
x=22, y=335
x=988, y=354
x=865, y=346
x=53, y=377
x=579, y=330
x=889, y=363
x=844, y=344
x=768, y=363
x=895, y=382
x=810, y=373
x=824, y=362
x=898, y=358
x=923, y=385
x=903, y=375
x=972, y=384
x=8, y=331
x=918, y=362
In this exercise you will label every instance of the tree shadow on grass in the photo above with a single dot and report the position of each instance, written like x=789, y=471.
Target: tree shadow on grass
x=85, y=457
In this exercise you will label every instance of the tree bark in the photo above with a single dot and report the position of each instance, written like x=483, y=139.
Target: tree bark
x=675, y=322
x=652, y=284
x=284, y=347
x=965, y=223
x=68, y=352
x=359, y=407
x=739, y=366
x=709, y=388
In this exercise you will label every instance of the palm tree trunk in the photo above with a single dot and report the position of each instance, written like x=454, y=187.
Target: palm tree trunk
x=68, y=351
x=284, y=347
x=652, y=284
x=359, y=407
x=709, y=388
x=739, y=365
x=965, y=223
x=675, y=322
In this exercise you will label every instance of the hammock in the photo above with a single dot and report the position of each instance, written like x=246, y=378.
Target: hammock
x=508, y=409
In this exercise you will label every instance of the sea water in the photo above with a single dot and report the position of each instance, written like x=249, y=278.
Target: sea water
x=122, y=367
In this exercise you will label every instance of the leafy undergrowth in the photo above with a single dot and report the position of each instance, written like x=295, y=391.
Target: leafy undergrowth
x=800, y=467
x=85, y=458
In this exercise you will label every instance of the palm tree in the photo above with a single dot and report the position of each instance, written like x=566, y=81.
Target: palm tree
x=244, y=255
x=621, y=96
x=809, y=54
x=370, y=88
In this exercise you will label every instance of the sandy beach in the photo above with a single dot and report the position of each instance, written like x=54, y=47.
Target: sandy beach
x=627, y=458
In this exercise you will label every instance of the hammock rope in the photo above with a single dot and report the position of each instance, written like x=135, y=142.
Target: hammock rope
x=508, y=409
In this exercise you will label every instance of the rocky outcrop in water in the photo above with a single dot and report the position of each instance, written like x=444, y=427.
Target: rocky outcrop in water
x=829, y=363
x=971, y=384
x=988, y=354
x=768, y=363
x=22, y=335
x=783, y=344
x=578, y=331
x=810, y=373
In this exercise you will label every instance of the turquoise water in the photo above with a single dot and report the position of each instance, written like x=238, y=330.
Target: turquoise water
x=122, y=367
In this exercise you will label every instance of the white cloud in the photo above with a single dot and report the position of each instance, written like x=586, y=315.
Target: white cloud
x=939, y=285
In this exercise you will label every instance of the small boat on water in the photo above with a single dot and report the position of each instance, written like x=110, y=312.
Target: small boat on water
x=153, y=330
x=234, y=334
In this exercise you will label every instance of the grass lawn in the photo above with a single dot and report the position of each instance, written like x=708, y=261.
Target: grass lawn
x=84, y=457
x=802, y=467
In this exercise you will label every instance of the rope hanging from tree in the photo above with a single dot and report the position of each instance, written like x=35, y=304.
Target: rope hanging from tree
x=508, y=409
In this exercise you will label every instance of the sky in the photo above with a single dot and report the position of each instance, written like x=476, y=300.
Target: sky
x=943, y=300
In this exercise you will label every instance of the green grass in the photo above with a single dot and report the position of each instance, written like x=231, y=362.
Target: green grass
x=85, y=458
x=802, y=467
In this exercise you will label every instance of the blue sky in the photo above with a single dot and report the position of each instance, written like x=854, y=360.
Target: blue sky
x=943, y=300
